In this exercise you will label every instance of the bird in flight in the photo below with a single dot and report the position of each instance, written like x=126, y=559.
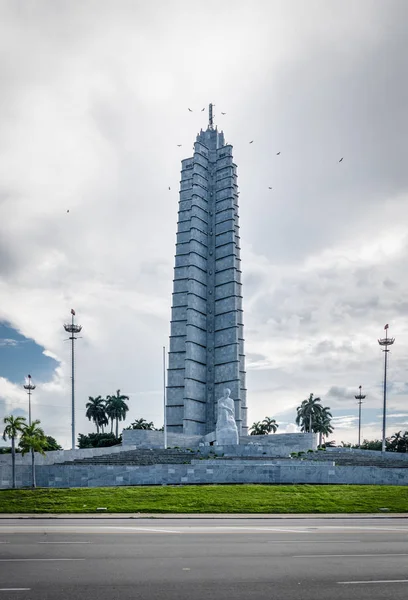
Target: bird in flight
x=68, y=211
x=277, y=154
x=269, y=188
x=251, y=142
x=341, y=159
x=169, y=187
x=190, y=110
x=223, y=113
x=203, y=109
x=179, y=145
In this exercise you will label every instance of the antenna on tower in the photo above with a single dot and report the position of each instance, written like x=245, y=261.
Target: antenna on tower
x=210, y=117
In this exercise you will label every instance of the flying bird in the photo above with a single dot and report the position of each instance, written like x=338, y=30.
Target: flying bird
x=190, y=110
x=223, y=113
x=179, y=145
x=269, y=188
x=341, y=159
x=251, y=142
x=203, y=109
x=68, y=211
x=277, y=154
x=169, y=187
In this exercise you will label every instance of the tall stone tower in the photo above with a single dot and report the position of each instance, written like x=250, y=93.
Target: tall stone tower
x=206, y=339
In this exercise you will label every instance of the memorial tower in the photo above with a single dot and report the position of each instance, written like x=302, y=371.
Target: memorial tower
x=206, y=330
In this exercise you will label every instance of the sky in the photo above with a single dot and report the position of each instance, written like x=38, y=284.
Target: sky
x=94, y=99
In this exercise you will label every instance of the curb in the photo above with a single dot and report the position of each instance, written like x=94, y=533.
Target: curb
x=216, y=516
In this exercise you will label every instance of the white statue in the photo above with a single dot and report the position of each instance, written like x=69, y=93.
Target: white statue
x=226, y=431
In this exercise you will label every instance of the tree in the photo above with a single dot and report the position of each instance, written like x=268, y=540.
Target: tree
x=270, y=425
x=322, y=424
x=33, y=440
x=398, y=442
x=13, y=426
x=98, y=440
x=143, y=424
x=96, y=412
x=52, y=443
x=258, y=428
x=116, y=409
x=308, y=414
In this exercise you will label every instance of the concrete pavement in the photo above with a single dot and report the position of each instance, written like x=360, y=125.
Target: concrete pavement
x=175, y=558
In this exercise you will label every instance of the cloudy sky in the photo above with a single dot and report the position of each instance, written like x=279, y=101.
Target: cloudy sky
x=93, y=102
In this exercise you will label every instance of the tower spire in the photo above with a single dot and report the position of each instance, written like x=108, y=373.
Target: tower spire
x=210, y=117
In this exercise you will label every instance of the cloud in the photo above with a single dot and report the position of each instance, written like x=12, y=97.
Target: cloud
x=8, y=342
x=94, y=101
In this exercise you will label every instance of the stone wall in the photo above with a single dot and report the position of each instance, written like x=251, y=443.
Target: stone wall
x=282, y=443
x=204, y=472
x=60, y=456
x=141, y=438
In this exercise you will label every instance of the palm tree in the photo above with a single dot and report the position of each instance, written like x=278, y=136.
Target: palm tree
x=116, y=408
x=398, y=442
x=270, y=425
x=143, y=424
x=96, y=412
x=13, y=426
x=33, y=440
x=308, y=413
x=258, y=428
x=323, y=424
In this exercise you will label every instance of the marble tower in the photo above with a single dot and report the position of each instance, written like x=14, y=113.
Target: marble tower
x=206, y=331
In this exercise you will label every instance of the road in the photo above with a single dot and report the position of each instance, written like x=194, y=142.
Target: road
x=191, y=559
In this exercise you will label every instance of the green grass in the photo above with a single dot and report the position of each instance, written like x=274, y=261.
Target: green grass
x=210, y=499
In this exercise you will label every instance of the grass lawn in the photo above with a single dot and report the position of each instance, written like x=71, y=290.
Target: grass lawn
x=210, y=499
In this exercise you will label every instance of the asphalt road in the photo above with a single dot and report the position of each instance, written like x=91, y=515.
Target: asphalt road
x=176, y=559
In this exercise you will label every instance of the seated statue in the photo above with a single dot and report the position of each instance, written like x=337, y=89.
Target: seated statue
x=226, y=431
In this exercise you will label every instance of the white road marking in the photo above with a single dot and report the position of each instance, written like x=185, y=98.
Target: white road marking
x=345, y=555
x=148, y=529
x=15, y=589
x=36, y=559
x=362, y=528
x=81, y=529
x=376, y=581
x=64, y=542
x=315, y=542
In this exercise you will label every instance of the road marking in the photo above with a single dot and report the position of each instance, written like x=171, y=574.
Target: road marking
x=376, y=581
x=345, y=555
x=148, y=529
x=186, y=569
x=36, y=559
x=64, y=542
x=15, y=589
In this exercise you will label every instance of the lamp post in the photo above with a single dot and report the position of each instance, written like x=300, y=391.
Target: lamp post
x=385, y=342
x=164, y=398
x=72, y=329
x=360, y=399
x=30, y=388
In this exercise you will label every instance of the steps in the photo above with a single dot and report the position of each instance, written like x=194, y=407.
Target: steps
x=140, y=457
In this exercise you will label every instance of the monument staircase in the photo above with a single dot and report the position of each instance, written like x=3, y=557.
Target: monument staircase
x=139, y=457
x=145, y=457
x=351, y=459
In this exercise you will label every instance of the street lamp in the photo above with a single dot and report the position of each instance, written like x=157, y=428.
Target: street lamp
x=360, y=399
x=385, y=342
x=72, y=329
x=30, y=388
